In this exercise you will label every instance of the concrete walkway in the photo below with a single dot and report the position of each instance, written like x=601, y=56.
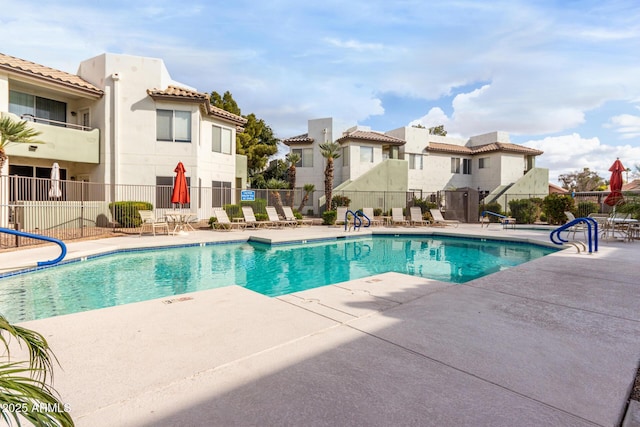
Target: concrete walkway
x=552, y=342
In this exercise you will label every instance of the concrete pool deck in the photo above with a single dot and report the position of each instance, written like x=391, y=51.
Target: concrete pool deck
x=552, y=342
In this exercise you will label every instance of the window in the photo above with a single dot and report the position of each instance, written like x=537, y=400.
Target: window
x=221, y=193
x=366, y=154
x=34, y=189
x=466, y=166
x=40, y=108
x=306, y=157
x=221, y=140
x=172, y=125
x=455, y=165
x=415, y=161
x=484, y=162
x=345, y=156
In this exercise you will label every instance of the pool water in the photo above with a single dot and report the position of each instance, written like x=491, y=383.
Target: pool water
x=270, y=270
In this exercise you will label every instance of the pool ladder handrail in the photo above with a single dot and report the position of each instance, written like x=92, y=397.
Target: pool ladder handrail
x=592, y=237
x=60, y=243
x=357, y=220
x=485, y=213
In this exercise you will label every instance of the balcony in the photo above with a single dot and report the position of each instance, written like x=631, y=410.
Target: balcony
x=62, y=141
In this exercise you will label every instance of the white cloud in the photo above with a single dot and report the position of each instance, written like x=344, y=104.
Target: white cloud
x=354, y=44
x=569, y=153
x=627, y=125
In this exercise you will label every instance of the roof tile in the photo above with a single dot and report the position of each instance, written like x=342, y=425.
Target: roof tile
x=24, y=67
x=372, y=136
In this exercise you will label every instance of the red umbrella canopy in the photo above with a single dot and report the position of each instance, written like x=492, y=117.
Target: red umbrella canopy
x=180, y=191
x=615, y=183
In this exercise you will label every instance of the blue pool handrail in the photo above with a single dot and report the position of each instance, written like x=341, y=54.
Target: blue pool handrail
x=592, y=236
x=485, y=213
x=60, y=243
x=357, y=222
x=362, y=215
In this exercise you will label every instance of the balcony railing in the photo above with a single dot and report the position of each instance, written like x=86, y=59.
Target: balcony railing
x=32, y=118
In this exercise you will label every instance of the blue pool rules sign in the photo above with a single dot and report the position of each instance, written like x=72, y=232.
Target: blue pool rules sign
x=248, y=195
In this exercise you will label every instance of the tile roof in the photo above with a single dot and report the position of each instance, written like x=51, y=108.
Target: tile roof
x=371, y=137
x=487, y=148
x=176, y=93
x=40, y=72
x=300, y=139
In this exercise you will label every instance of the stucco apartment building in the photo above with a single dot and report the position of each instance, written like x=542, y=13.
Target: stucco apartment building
x=410, y=159
x=120, y=120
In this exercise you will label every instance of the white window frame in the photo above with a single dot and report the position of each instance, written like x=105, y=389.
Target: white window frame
x=416, y=161
x=484, y=162
x=179, y=120
x=455, y=165
x=466, y=166
x=221, y=140
x=306, y=157
x=366, y=154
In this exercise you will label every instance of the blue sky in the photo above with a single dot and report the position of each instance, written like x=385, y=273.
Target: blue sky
x=561, y=76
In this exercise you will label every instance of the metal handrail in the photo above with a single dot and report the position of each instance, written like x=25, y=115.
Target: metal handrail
x=592, y=237
x=35, y=119
x=360, y=213
x=357, y=222
x=485, y=213
x=60, y=243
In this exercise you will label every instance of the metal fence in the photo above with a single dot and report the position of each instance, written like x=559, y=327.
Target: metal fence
x=87, y=210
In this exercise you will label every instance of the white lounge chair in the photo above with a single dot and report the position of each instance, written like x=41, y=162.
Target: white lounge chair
x=275, y=218
x=341, y=216
x=149, y=220
x=438, y=219
x=415, y=216
x=577, y=227
x=250, y=219
x=289, y=216
x=369, y=214
x=223, y=222
x=397, y=217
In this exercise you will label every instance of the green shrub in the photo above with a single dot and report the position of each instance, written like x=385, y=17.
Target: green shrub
x=631, y=206
x=258, y=205
x=555, y=205
x=233, y=211
x=525, y=211
x=126, y=213
x=329, y=217
x=309, y=212
x=338, y=201
x=377, y=211
x=491, y=207
x=261, y=217
x=425, y=205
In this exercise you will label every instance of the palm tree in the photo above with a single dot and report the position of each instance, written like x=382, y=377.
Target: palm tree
x=15, y=132
x=275, y=185
x=25, y=386
x=292, y=159
x=308, y=189
x=330, y=151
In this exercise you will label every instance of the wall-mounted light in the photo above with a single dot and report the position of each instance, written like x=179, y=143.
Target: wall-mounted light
x=33, y=147
x=73, y=113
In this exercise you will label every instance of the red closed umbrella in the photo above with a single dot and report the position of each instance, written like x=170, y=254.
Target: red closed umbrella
x=615, y=183
x=180, y=190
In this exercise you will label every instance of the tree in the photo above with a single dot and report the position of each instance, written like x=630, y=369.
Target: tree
x=275, y=185
x=292, y=159
x=226, y=102
x=308, y=189
x=437, y=130
x=27, y=385
x=257, y=142
x=330, y=151
x=15, y=132
x=586, y=180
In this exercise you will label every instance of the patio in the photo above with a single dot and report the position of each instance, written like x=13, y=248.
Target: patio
x=552, y=342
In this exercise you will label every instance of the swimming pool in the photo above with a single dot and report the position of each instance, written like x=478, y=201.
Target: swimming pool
x=127, y=277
